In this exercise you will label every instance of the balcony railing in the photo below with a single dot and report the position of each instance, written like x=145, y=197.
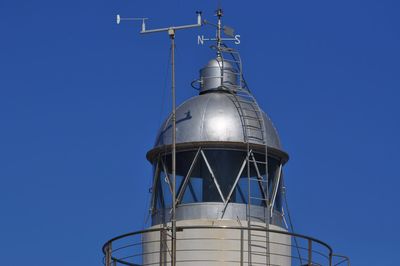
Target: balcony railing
x=220, y=245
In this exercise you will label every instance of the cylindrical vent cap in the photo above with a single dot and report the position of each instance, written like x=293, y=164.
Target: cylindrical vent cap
x=218, y=74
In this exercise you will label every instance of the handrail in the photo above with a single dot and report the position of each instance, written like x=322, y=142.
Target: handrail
x=344, y=259
x=181, y=228
x=258, y=229
x=109, y=258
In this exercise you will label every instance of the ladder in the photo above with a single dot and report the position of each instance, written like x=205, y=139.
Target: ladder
x=254, y=131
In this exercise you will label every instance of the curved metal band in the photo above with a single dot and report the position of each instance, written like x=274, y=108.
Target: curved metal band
x=258, y=148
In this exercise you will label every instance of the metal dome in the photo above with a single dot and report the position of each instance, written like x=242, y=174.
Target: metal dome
x=211, y=117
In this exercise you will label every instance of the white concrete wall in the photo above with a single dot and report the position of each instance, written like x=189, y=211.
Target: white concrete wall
x=217, y=246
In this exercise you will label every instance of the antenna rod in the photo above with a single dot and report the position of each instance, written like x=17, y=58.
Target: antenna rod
x=219, y=27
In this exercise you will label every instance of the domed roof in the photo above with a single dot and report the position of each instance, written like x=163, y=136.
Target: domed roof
x=213, y=117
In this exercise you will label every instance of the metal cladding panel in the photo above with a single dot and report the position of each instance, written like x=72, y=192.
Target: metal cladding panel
x=215, y=210
x=212, y=117
x=217, y=247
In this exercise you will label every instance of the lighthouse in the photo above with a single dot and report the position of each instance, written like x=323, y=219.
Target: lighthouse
x=218, y=191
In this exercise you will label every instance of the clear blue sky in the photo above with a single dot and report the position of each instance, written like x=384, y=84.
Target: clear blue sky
x=81, y=100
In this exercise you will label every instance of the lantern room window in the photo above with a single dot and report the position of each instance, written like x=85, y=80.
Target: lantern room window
x=216, y=175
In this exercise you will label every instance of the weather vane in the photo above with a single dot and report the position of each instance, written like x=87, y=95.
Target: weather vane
x=228, y=31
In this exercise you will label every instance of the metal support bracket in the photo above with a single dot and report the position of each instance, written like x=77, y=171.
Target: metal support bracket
x=275, y=191
x=213, y=176
x=235, y=184
x=186, y=180
x=168, y=180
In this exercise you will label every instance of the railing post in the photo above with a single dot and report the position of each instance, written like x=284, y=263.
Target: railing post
x=309, y=252
x=161, y=247
x=241, y=247
x=108, y=254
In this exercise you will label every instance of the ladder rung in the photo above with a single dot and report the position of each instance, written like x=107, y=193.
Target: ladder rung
x=262, y=131
x=251, y=110
x=230, y=61
x=255, y=110
x=256, y=138
x=246, y=101
x=245, y=94
x=257, y=225
x=250, y=117
x=259, y=246
x=236, y=73
x=228, y=50
x=256, y=128
x=248, y=107
x=255, y=219
x=253, y=127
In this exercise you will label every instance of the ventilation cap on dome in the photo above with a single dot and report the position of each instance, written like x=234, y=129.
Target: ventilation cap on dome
x=218, y=75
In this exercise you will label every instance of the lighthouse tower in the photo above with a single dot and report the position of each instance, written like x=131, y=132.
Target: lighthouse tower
x=225, y=165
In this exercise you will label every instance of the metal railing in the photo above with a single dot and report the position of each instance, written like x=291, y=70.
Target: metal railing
x=214, y=245
x=340, y=260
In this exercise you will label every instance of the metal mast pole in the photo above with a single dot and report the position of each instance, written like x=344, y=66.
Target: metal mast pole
x=171, y=33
